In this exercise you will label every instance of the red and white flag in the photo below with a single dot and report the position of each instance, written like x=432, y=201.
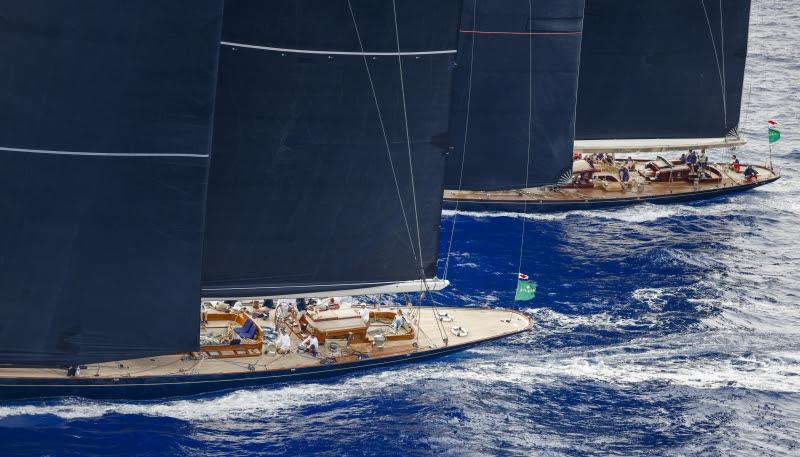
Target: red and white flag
x=523, y=276
x=772, y=123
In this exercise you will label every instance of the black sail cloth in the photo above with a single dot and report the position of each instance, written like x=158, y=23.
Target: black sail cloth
x=302, y=197
x=657, y=69
x=499, y=100
x=104, y=139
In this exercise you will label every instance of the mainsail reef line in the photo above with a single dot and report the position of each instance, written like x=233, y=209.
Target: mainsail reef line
x=339, y=53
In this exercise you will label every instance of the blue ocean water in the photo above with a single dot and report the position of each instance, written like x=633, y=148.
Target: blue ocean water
x=660, y=330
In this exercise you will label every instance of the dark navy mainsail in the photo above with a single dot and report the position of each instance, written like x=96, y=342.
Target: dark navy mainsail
x=311, y=186
x=105, y=126
x=513, y=113
x=662, y=69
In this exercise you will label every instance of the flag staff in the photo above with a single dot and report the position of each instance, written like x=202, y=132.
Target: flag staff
x=773, y=135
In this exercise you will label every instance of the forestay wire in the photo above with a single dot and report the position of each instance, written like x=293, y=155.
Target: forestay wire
x=386, y=140
x=466, y=133
x=408, y=144
x=413, y=188
x=530, y=136
x=720, y=68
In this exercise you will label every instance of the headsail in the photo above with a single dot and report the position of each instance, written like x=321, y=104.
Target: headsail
x=662, y=69
x=321, y=115
x=104, y=143
x=516, y=80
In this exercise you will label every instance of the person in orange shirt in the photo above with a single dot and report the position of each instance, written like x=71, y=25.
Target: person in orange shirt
x=735, y=165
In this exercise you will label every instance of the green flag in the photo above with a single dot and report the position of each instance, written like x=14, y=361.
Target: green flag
x=526, y=290
x=774, y=135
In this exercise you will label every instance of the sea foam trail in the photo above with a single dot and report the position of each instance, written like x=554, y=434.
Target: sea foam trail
x=700, y=360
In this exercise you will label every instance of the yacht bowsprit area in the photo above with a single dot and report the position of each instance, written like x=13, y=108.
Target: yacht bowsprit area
x=240, y=347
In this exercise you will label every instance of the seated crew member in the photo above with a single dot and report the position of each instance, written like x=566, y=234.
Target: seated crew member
x=399, y=319
x=332, y=304
x=283, y=343
x=683, y=158
x=365, y=315
x=691, y=160
x=310, y=344
x=735, y=164
x=750, y=173
x=629, y=164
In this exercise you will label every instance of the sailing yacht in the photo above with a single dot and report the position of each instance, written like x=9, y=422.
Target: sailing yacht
x=159, y=158
x=654, y=77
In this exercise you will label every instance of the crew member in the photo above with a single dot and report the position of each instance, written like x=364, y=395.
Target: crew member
x=691, y=160
x=399, y=319
x=735, y=165
x=365, y=315
x=283, y=343
x=624, y=175
x=311, y=344
x=750, y=173
x=332, y=304
x=703, y=160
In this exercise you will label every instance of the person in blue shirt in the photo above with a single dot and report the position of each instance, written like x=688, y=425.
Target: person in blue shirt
x=624, y=175
x=750, y=173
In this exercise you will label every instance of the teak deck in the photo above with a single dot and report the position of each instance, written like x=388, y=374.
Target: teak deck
x=567, y=198
x=483, y=324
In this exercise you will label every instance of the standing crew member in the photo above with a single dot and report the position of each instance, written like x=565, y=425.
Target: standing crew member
x=735, y=165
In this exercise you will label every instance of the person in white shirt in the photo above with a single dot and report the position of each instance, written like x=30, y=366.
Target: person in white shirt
x=311, y=344
x=399, y=319
x=365, y=315
x=283, y=343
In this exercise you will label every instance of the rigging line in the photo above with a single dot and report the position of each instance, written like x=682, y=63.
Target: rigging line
x=464, y=142
x=530, y=128
x=724, y=78
x=385, y=137
x=716, y=57
x=408, y=145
